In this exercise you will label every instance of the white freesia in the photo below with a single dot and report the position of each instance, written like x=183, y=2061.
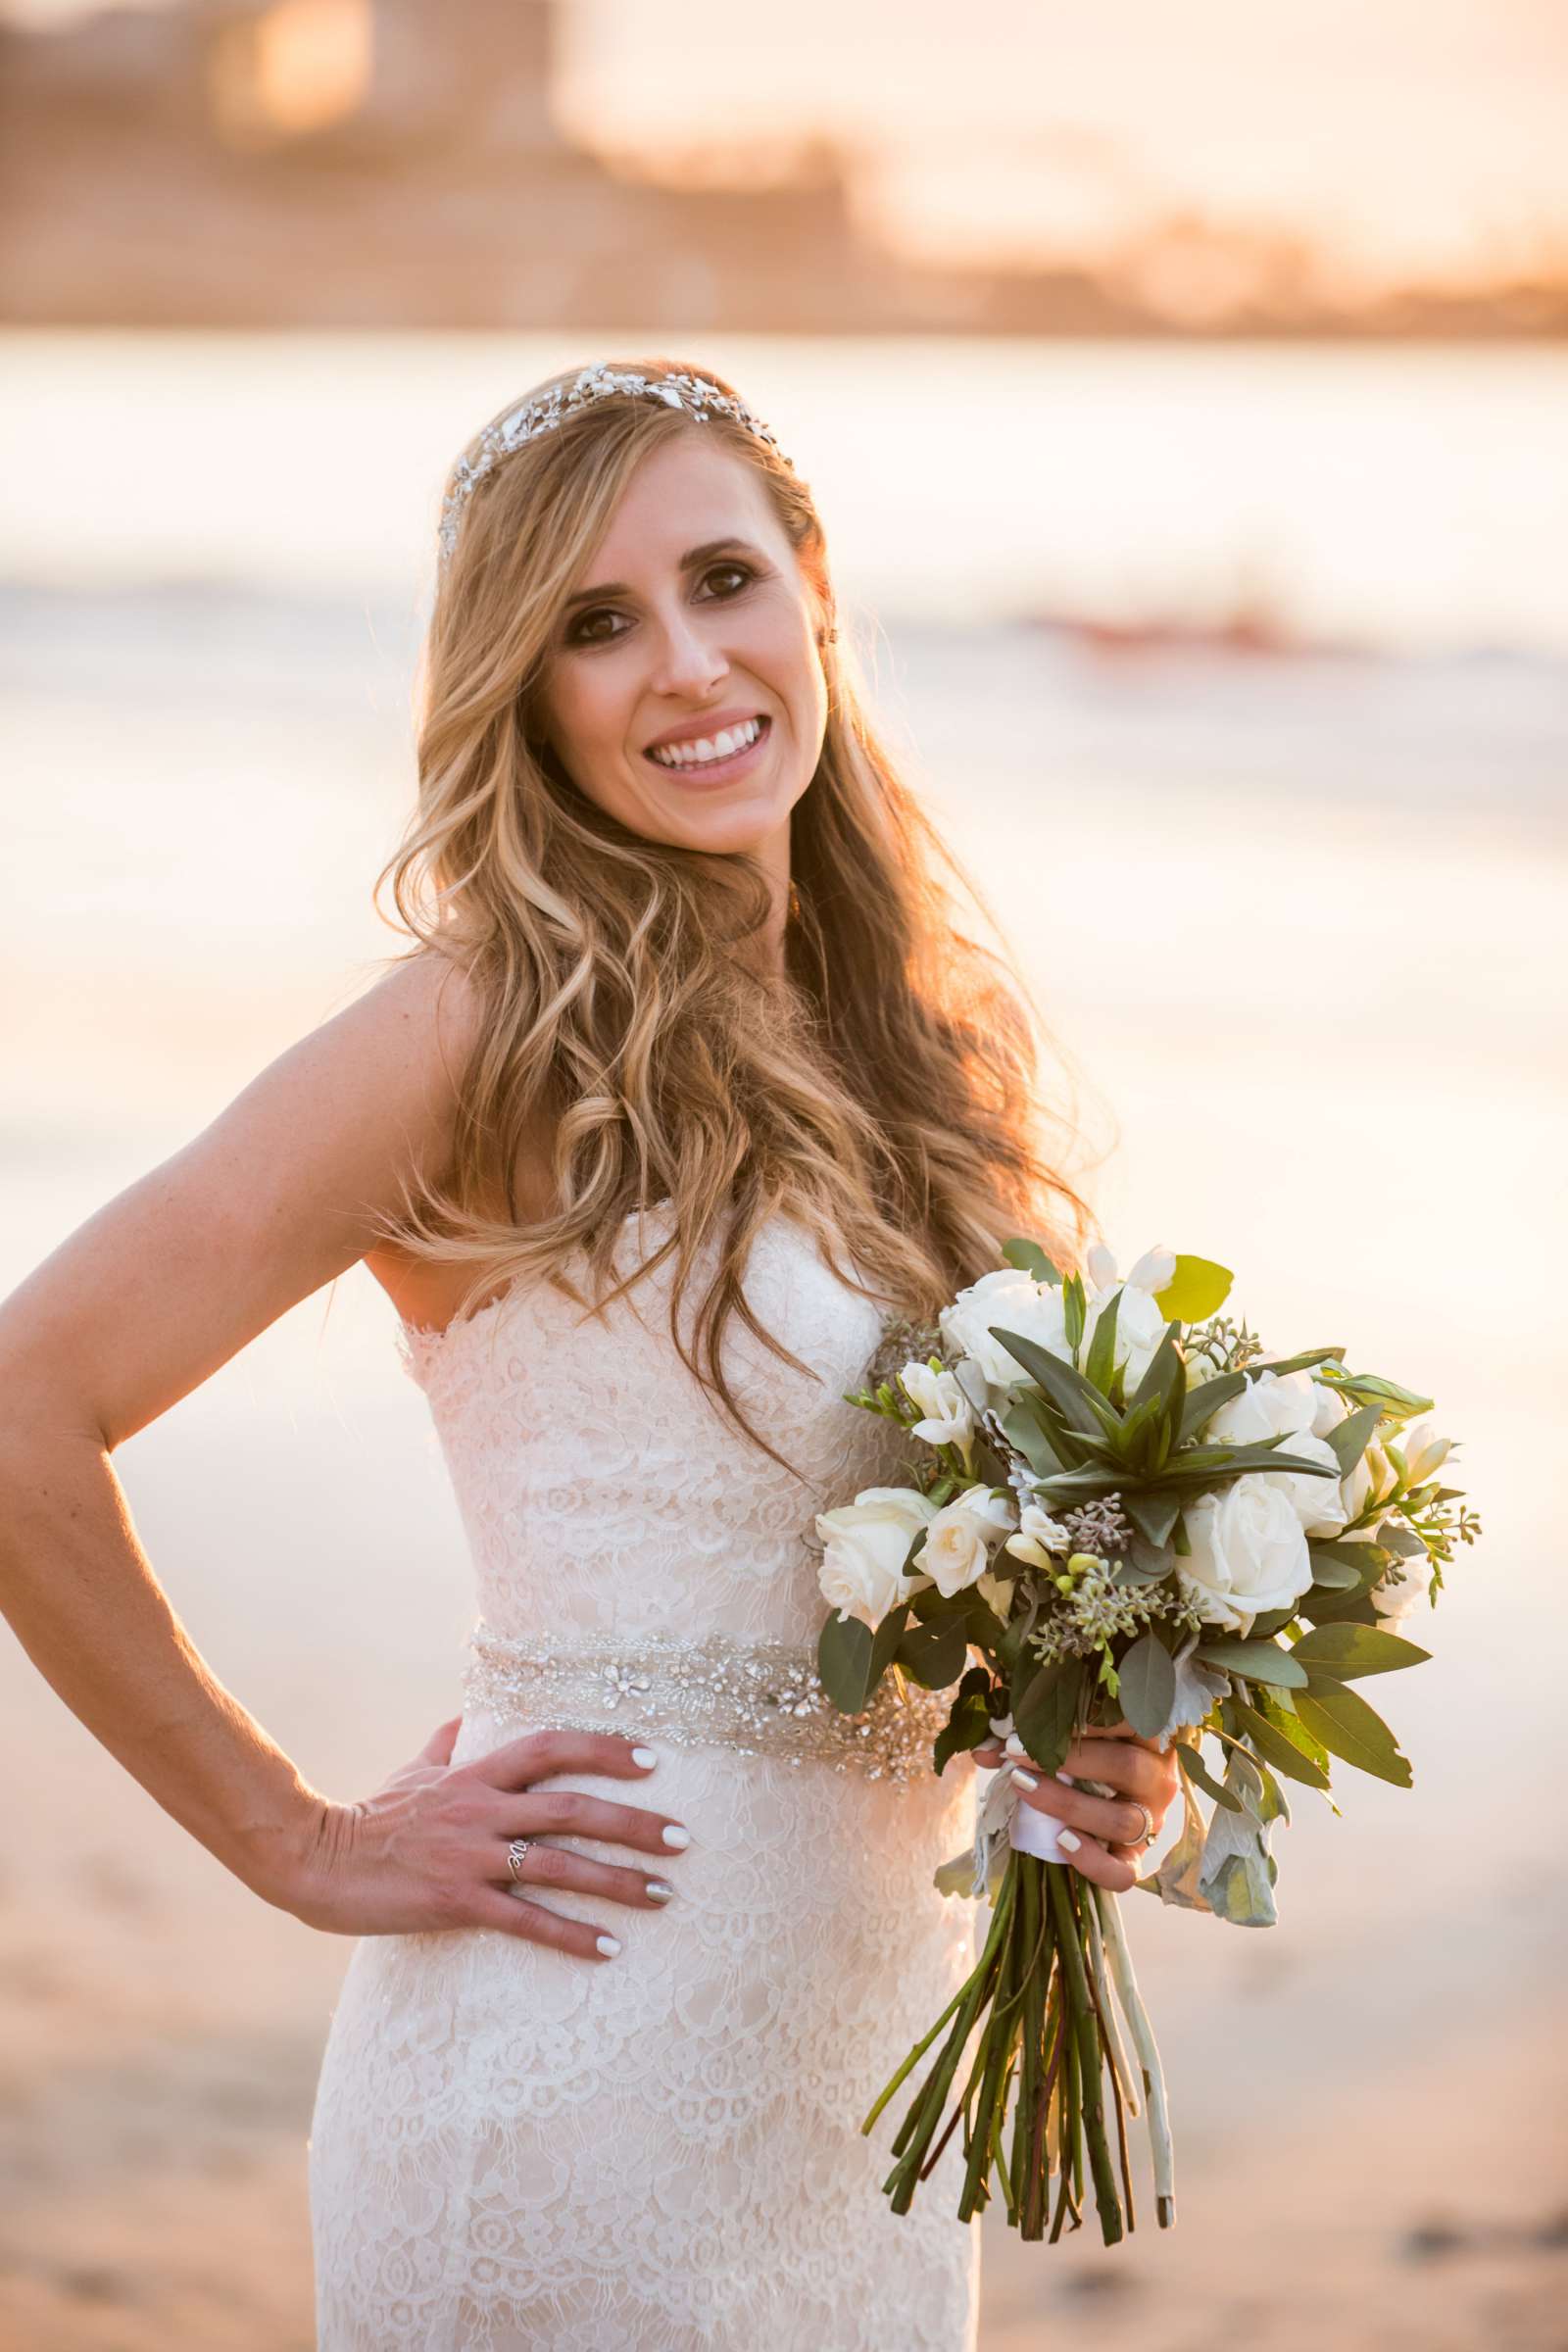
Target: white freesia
x=1329, y=1408
x=1016, y=1301
x=959, y=1537
x=948, y=1416
x=1372, y=1480
x=997, y=1592
x=1038, y=1537
x=1248, y=1552
x=1153, y=1271
x=1284, y=1404
x=1424, y=1452
x=867, y=1542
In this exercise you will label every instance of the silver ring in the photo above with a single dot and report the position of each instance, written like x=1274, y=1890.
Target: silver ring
x=1149, y=1824
x=514, y=1853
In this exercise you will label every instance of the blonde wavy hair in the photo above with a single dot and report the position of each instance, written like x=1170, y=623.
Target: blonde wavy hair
x=882, y=1090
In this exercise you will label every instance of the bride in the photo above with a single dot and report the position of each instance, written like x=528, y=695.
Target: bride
x=690, y=1105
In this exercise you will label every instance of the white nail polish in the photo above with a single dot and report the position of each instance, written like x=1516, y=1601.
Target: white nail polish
x=610, y=1945
x=643, y=1756
x=1067, y=1776
x=1065, y=1837
x=674, y=1835
x=1025, y=1780
x=1016, y=1747
x=659, y=1891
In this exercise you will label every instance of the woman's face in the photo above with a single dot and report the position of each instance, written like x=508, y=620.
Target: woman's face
x=691, y=617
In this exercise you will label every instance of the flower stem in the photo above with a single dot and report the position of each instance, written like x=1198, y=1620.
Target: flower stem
x=1142, y=2033
x=1088, y=2054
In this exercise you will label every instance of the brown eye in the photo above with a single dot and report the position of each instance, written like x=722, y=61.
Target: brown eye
x=579, y=634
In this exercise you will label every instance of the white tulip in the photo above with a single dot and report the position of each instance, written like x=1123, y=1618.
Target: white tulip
x=867, y=1542
x=1248, y=1552
x=949, y=1417
x=959, y=1537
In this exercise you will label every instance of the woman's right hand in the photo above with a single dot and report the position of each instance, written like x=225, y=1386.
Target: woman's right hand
x=429, y=1848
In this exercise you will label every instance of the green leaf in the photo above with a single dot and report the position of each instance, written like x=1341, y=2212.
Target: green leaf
x=1281, y=1752
x=1192, y=1763
x=1103, y=1346
x=1325, y=1607
x=844, y=1662
x=1348, y=1439
x=885, y=1642
x=1030, y=1259
x=1203, y=1402
x=1347, y=1651
x=1341, y=1719
x=1152, y=1515
x=1073, y=1310
x=1259, y=1661
x=1332, y=1576
x=1068, y=1391
x=1157, y=1370
x=1280, y=1365
x=934, y=1653
x=1045, y=1715
x=968, y=1725
x=1147, y=1688
x=1372, y=1386
x=1021, y=1425
x=1197, y=1289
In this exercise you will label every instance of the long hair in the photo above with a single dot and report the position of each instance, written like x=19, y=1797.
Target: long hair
x=883, y=1089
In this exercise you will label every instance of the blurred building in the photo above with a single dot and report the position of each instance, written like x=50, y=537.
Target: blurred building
x=396, y=163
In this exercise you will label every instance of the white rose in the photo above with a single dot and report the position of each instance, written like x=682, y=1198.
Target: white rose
x=1329, y=1408
x=867, y=1542
x=1016, y=1301
x=1283, y=1404
x=948, y=1416
x=1407, y=1585
x=959, y=1537
x=1038, y=1537
x=1248, y=1552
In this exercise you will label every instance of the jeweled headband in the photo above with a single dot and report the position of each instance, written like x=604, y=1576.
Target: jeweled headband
x=678, y=391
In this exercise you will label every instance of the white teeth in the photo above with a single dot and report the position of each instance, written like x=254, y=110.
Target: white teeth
x=717, y=746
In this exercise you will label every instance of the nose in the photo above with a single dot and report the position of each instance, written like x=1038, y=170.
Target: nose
x=689, y=660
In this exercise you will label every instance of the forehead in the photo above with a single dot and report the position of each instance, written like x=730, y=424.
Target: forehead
x=687, y=490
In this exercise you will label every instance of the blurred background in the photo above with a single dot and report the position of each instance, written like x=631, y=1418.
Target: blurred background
x=1185, y=394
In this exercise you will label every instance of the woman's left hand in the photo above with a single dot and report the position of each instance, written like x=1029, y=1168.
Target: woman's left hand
x=1110, y=1830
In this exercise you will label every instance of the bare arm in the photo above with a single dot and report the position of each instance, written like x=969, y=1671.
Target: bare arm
x=146, y=1300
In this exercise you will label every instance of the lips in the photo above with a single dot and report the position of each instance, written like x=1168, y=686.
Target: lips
x=696, y=730
x=719, y=771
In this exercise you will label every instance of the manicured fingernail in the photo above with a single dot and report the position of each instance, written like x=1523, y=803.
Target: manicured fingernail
x=659, y=1891
x=673, y=1835
x=643, y=1756
x=610, y=1945
x=1025, y=1780
x=1067, y=1776
x=1016, y=1747
x=1065, y=1837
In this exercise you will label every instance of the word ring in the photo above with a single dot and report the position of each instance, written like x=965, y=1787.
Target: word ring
x=514, y=1853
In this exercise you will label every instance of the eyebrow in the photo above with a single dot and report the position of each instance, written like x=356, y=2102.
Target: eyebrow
x=688, y=562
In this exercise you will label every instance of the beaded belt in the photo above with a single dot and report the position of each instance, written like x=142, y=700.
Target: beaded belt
x=759, y=1698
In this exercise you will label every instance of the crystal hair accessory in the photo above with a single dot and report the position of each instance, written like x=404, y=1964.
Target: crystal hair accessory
x=678, y=390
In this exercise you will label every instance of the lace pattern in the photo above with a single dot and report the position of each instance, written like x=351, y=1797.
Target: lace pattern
x=513, y=2147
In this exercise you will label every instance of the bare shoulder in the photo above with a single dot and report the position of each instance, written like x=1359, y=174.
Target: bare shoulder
x=279, y=1194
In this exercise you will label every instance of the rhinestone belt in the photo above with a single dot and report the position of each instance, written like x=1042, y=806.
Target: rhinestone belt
x=760, y=1699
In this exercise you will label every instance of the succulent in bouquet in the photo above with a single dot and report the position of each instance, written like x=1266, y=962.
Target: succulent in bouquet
x=1119, y=1509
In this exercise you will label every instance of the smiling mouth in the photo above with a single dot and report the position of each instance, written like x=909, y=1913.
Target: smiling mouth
x=701, y=770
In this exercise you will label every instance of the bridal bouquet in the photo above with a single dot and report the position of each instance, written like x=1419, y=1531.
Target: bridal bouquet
x=1123, y=1510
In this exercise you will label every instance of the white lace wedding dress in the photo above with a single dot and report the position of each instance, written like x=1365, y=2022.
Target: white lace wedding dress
x=660, y=2152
